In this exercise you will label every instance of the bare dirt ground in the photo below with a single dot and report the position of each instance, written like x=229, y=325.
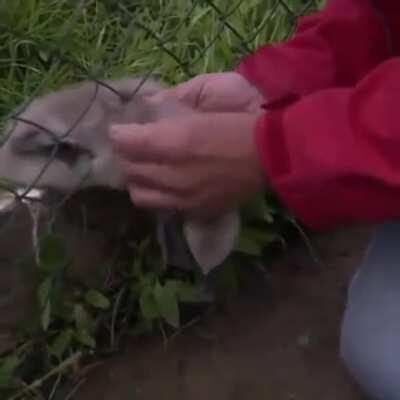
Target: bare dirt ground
x=277, y=342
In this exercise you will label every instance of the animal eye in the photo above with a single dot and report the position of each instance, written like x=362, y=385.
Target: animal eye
x=32, y=146
x=62, y=151
x=39, y=145
x=66, y=152
x=69, y=153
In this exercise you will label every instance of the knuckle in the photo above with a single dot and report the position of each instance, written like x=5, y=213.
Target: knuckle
x=191, y=139
x=181, y=147
x=146, y=144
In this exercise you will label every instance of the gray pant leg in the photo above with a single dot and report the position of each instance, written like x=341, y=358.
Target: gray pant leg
x=370, y=337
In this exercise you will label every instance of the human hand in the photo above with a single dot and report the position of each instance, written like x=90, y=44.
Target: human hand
x=217, y=92
x=202, y=164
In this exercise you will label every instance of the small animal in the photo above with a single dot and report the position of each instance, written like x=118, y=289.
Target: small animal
x=60, y=142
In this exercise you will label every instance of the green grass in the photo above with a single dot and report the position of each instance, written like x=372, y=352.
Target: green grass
x=45, y=44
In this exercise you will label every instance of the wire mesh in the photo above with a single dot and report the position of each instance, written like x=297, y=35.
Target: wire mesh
x=46, y=44
x=97, y=40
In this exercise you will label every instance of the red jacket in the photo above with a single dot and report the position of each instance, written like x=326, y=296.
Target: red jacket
x=330, y=138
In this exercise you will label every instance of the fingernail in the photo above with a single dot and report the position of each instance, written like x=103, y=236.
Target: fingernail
x=118, y=132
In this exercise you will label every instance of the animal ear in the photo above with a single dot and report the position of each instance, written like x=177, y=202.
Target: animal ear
x=211, y=242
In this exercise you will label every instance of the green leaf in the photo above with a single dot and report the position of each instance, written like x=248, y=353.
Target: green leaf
x=61, y=343
x=247, y=246
x=187, y=292
x=258, y=209
x=227, y=279
x=173, y=285
x=167, y=303
x=148, y=306
x=8, y=366
x=44, y=291
x=52, y=252
x=84, y=337
x=96, y=299
x=252, y=241
x=261, y=236
x=44, y=55
x=46, y=316
x=84, y=326
x=83, y=320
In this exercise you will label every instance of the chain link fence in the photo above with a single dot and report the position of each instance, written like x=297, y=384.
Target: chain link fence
x=45, y=45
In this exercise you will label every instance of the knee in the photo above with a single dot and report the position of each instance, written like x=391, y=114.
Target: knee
x=371, y=354
x=357, y=351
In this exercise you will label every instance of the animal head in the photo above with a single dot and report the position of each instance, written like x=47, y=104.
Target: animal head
x=60, y=142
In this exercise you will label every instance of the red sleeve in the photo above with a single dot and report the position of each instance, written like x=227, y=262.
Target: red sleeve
x=334, y=156
x=333, y=48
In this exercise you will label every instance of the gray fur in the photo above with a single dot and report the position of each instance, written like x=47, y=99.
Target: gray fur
x=82, y=157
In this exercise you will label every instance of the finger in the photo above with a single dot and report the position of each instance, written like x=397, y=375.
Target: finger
x=162, y=96
x=190, y=92
x=149, y=198
x=157, y=142
x=165, y=177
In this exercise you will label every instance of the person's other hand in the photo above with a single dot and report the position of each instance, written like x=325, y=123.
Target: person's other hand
x=218, y=92
x=201, y=165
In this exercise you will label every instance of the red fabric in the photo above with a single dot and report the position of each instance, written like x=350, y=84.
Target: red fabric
x=332, y=152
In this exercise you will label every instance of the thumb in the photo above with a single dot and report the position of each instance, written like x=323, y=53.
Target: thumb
x=189, y=92
x=130, y=139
